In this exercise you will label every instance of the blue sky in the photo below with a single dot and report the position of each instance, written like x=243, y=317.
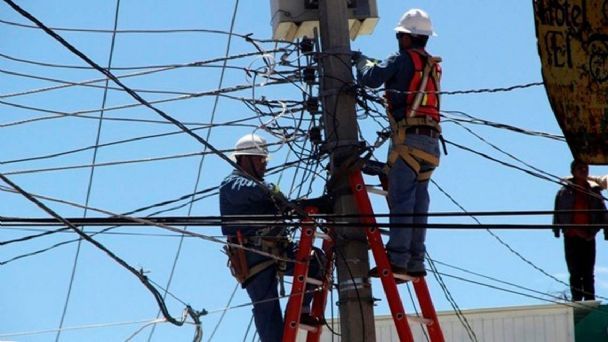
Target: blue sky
x=484, y=44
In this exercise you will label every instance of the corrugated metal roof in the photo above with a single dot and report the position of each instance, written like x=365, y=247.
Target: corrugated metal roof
x=537, y=323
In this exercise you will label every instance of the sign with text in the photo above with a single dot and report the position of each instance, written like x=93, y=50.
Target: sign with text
x=573, y=46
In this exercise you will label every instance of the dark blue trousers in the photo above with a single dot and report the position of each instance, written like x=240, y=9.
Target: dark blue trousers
x=263, y=291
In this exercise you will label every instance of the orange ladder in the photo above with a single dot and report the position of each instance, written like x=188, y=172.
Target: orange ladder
x=300, y=279
x=294, y=306
x=429, y=316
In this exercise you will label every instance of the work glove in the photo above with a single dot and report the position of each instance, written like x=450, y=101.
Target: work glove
x=279, y=199
x=324, y=203
x=359, y=60
x=556, y=233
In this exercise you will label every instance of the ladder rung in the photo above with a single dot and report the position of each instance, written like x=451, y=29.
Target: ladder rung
x=404, y=277
x=314, y=281
x=323, y=236
x=420, y=320
x=308, y=328
x=376, y=191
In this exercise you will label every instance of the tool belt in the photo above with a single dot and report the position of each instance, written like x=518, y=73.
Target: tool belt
x=413, y=157
x=237, y=257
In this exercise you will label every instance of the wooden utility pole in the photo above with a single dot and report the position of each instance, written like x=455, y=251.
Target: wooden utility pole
x=355, y=295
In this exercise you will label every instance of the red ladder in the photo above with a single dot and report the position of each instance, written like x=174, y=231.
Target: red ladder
x=386, y=275
x=300, y=279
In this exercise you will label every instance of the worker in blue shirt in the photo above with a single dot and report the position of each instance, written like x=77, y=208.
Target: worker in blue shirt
x=411, y=78
x=242, y=194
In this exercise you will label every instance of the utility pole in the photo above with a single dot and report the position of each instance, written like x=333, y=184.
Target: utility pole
x=355, y=295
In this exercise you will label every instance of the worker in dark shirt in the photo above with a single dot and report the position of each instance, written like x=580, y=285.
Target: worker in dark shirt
x=259, y=274
x=584, y=196
x=411, y=78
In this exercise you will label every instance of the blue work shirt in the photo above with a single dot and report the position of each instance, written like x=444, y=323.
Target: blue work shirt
x=395, y=73
x=240, y=195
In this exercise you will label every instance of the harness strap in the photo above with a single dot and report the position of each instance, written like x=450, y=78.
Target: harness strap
x=425, y=176
x=412, y=157
x=420, y=94
x=403, y=152
x=237, y=261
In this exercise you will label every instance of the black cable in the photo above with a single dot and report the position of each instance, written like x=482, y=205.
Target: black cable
x=141, y=100
x=199, y=172
x=409, y=291
x=499, y=239
x=477, y=121
x=143, y=279
x=355, y=286
x=123, y=141
x=162, y=67
x=570, y=305
x=469, y=91
x=103, y=231
x=509, y=154
x=82, y=113
x=150, y=31
x=93, y=233
x=91, y=83
x=521, y=287
x=448, y=295
x=248, y=328
x=91, y=175
x=532, y=173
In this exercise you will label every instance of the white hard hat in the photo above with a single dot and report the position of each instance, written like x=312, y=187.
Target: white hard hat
x=251, y=145
x=415, y=21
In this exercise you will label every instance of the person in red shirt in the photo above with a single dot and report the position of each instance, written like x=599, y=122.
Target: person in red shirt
x=580, y=202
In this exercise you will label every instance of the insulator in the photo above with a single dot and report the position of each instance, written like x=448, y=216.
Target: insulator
x=306, y=45
x=309, y=75
x=314, y=134
x=312, y=104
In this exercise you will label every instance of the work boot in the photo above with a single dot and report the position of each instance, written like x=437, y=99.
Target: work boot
x=417, y=274
x=416, y=269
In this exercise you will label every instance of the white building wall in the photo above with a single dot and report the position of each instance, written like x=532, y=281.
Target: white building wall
x=539, y=323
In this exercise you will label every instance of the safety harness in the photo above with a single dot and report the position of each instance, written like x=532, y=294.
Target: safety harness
x=237, y=258
x=421, y=113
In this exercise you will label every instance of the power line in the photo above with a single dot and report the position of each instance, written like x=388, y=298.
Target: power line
x=448, y=295
x=466, y=92
x=83, y=327
x=112, y=163
x=509, y=154
x=570, y=305
x=499, y=239
x=98, y=245
x=147, y=31
x=91, y=175
x=450, y=115
x=60, y=114
x=521, y=287
x=201, y=163
x=91, y=84
x=161, y=67
x=212, y=191
x=233, y=123
x=146, y=221
x=219, y=322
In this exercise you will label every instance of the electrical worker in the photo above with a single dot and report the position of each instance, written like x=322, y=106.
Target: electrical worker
x=260, y=275
x=411, y=78
x=581, y=193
